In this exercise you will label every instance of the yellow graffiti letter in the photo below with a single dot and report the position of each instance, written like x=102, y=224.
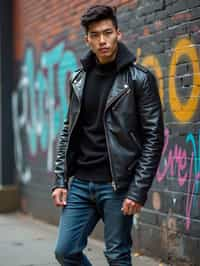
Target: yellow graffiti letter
x=184, y=111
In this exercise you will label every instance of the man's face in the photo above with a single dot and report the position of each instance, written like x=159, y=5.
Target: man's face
x=102, y=38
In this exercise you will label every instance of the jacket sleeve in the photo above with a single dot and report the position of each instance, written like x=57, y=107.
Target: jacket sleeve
x=152, y=128
x=60, y=164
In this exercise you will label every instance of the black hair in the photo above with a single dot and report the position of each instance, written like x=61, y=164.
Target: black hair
x=97, y=13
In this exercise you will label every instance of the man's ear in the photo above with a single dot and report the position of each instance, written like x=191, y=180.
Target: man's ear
x=119, y=35
x=86, y=40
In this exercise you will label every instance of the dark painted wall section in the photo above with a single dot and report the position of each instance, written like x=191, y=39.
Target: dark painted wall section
x=165, y=36
x=6, y=68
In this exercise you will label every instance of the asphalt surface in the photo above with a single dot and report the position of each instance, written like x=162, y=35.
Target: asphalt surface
x=25, y=241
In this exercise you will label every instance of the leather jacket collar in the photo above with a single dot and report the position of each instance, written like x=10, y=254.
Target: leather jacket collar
x=124, y=59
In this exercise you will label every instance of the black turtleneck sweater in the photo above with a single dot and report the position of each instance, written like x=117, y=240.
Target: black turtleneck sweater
x=92, y=162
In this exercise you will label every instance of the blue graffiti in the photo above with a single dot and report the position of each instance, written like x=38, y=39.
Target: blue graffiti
x=196, y=151
x=40, y=102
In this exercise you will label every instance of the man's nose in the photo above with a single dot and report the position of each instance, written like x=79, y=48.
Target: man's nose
x=102, y=38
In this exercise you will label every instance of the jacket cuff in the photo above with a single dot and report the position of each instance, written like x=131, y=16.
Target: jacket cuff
x=137, y=196
x=60, y=182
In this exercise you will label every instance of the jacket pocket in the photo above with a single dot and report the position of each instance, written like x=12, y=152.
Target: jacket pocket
x=135, y=140
x=132, y=165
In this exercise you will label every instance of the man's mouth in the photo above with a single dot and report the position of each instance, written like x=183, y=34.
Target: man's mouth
x=103, y=50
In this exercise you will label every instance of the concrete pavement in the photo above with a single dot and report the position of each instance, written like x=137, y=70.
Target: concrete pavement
x=25, y=241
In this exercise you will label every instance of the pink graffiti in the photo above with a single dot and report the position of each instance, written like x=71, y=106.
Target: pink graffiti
x=176, y=159
x=178, y=163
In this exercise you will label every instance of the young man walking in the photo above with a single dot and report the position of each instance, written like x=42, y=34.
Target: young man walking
x=111, y=144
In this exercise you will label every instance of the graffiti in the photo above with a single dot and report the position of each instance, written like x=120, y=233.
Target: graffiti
x=176, y=161
x=40, y=103
x=186, y=166
x=182, y=111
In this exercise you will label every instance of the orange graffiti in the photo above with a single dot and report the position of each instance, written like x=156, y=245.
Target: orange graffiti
x=183, y=111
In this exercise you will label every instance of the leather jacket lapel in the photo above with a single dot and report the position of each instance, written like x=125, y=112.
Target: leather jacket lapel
x=78, y=84
x=120, y=86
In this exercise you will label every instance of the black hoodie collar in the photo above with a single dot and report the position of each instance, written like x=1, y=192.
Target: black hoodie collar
x=124, y=58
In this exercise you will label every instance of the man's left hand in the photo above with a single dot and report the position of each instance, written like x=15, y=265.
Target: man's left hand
x=130, y=207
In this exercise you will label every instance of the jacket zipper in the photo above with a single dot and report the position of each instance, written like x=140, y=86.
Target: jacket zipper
x=114, y=185
x=109, y=156
x=135, y=140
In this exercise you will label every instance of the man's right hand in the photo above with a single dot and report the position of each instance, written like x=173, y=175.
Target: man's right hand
x=59, y=196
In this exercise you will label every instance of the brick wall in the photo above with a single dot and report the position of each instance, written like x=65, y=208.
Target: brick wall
x=165, y=36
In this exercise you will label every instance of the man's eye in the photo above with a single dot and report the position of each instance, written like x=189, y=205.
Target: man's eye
x=108, y=32
x=93, y=35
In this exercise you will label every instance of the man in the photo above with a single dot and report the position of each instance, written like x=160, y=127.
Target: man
x=111, y=144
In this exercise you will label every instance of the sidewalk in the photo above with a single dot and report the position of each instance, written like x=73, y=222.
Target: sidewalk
x=25, y=241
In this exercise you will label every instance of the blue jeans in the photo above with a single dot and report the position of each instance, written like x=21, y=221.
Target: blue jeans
x=87, y=202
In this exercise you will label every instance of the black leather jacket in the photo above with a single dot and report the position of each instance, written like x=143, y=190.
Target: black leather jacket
x=133, y=126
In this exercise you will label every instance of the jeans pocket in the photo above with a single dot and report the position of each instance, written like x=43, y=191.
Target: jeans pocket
x=70, y=183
